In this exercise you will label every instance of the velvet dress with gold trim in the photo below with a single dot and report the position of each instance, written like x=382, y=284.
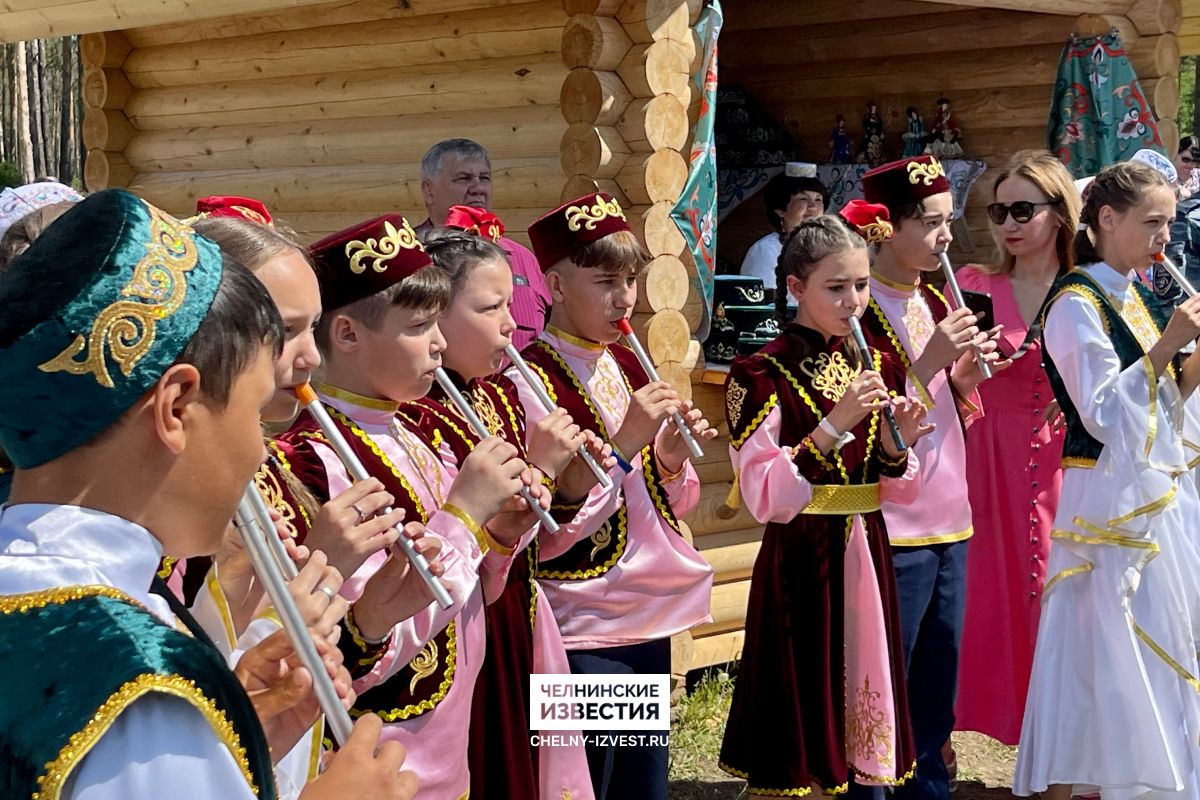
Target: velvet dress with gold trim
x=503, y=764
x=821, y=692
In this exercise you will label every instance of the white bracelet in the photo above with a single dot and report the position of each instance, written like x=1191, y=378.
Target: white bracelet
x=840, y=439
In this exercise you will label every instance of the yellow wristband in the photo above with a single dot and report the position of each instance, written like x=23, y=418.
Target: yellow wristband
x=466, y=519
x=493, y=544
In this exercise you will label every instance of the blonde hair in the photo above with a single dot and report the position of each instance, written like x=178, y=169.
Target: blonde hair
x=1051, y=178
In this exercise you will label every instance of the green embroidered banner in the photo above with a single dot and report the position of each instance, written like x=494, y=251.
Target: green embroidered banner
x=1099, y=114
x=696, y=211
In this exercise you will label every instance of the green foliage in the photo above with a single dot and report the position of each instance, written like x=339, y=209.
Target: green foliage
x=698, y=725
x=10, y=175
x=1187, y=98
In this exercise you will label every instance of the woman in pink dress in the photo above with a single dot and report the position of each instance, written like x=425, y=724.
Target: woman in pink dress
x=1014, y=476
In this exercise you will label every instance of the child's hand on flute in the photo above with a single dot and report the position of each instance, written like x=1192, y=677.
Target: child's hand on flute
x=671, y=448
x=397, y=592
x=350, y=529
x=648, y=407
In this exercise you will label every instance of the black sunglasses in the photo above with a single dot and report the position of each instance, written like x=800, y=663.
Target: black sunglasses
x=1022, y=211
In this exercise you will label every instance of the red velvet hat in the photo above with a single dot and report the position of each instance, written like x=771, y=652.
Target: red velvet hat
x=907, y=181
x=478, y=221
x=582, y=221
x=871, y=220
x=246, y=208
x=366, y=258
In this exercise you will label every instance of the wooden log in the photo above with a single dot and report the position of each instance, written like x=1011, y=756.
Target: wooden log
x=779, y=13
x=529, y=183
x=1100, y=24
x=105, y=170
x=594, y=42
x=1168, y=130
x=928, y=33
x=1048, y=6
x=516, y=220
x=345, y=12
x=654, y=123
x=520, y=132
x=654, y=226
x=728, y=608
x=528, y=29
x=660, y=67
x=693, y=311
x=681, y=659
x=653, y=177
x=678, y=376
x=104, y=50
x=714, y=473
x=651, y=20
x=106, y=129
x=1163, y=93
x=705, y=519
x=19, y=21
x=588, y=150
x=601, y=8
x=499, y=83
x=599, y=98
x=579, y=185
x=665, y=334
x=931, y=74
x=1156, y=16
x=663, y=284
x=1189, y=44
x=1156, y=55
x=723, y=648
x=106, y=88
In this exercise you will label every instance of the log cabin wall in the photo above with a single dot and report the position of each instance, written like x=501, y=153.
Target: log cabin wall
x=805, y=61
x=324, y=112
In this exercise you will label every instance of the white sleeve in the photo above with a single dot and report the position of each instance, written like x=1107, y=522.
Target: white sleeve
x=159, y=747
x=760, y=262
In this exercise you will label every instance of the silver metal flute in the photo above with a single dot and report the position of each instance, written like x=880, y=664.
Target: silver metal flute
x=865, y=352
x=358, y=472
x=257, y=529
x=652, y=373
x=548, y=404
x=460, y=402
x=948, y=269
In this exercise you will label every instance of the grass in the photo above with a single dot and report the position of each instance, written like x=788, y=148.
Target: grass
x=985, y=767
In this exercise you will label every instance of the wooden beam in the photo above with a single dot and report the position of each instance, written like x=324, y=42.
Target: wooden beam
x=1047, y=6
x=39, y=19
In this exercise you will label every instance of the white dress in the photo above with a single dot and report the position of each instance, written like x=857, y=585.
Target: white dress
x=762, y=258
x=1114, y=703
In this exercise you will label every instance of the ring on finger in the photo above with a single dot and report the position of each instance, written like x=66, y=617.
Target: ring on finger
x=361, y=514
x=328, y=592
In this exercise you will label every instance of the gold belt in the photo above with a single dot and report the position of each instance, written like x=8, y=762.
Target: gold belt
x=843, y=500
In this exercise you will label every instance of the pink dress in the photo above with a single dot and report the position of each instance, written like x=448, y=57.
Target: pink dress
x=1014, y=480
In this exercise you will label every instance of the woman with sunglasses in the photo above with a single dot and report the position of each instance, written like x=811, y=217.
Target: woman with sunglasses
x=1013, y=452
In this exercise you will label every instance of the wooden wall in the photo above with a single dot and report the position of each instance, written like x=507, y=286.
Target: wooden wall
x=324, y=112
x=807, y=60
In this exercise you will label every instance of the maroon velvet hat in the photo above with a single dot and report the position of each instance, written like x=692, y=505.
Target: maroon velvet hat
x=582, y=221
x=906, y=181
x=366, y=258
x=870, y=220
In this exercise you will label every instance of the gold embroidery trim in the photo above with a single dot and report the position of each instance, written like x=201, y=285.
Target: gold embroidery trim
x=868, y=733
x=1178, y=668
x=752, y=426
x=891, y=284
x=586, y=344
x=1078, y=462
x=876, y=232
x=387, y=462
x=593, y=572
x=375, y=403
x=843, y=500
x=423, y=665
x=398, y=714
x=470, y=523
x=168, y=566
x=287, y=465
x=376, y=252
x=735, y=396
x=268, y=486
x=373, y=651
x=28, y=601
x=837, y=457
x=923, y=541
x=127, y=328
x=213, y=585
x=919, y=172
x=58, y=771
x=1069, y=572
x=830, y=373
x=586, y=217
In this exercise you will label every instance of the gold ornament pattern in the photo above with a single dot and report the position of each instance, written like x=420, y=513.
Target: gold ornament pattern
x=878, y=231
x=831, y=374
x=126, y=329
x=735, y=396
x=586, y=217
x=377, y=252
x=601, y=539
x=868, y=733
x=919, y=172
x=423, y=665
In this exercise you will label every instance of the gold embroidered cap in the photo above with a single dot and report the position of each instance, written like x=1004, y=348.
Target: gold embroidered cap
x=97, y=308
x=557, y=235
x=366, y=258
x=909, y=180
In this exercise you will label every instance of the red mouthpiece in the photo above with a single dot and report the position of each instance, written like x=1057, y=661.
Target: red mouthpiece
x=625, y=327
x=304, y=393
x=1160, y=257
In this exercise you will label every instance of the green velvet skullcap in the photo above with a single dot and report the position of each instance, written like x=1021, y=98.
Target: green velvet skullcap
x=95, y=311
